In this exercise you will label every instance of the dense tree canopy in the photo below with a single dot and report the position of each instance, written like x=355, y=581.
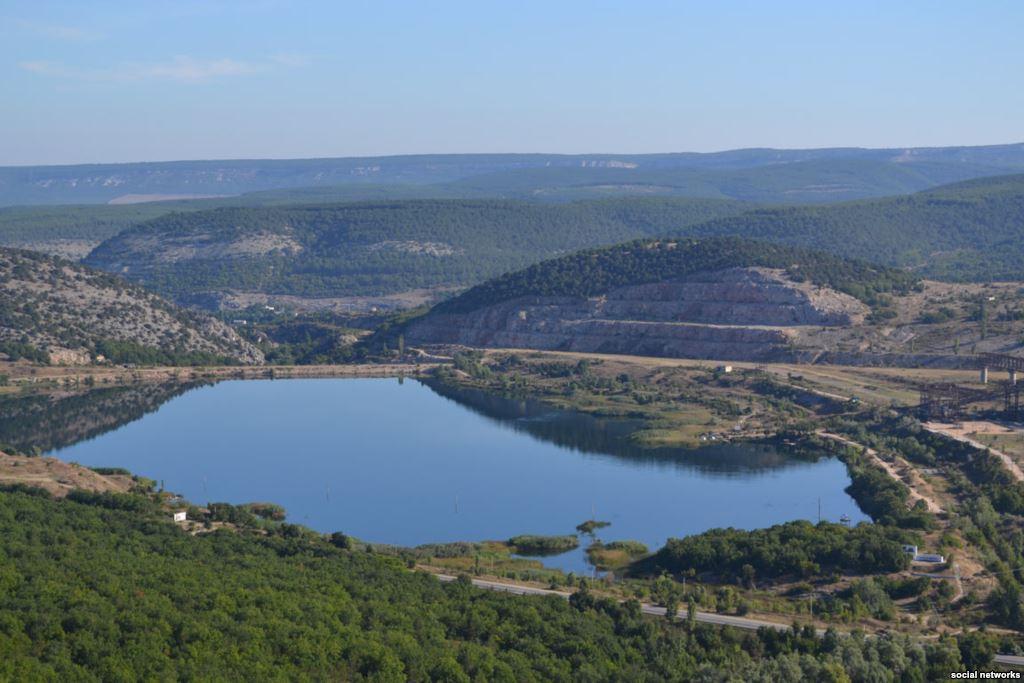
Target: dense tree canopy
x=795, y=548
x=103, y=587
x=343, y=250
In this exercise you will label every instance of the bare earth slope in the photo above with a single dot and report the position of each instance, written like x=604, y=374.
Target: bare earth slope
x=66, y=311
x=751, y=314
x=735, y=313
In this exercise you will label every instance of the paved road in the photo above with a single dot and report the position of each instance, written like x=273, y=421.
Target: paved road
x=1010, y=660
x=703, y=617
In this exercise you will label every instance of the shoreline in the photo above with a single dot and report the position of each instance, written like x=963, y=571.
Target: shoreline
x=22, y=375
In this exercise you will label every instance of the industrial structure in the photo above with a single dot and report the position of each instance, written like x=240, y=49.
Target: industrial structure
x=947, y=400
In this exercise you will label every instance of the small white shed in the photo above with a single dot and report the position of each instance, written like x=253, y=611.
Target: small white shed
x=180, y=516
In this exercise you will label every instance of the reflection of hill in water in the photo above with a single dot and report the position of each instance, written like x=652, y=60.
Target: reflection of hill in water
x=611, y=436
x=53, y=421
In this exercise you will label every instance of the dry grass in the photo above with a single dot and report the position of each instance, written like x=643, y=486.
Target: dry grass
x=58, y=477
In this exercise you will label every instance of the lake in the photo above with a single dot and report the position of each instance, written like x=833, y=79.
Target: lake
x=408, y=463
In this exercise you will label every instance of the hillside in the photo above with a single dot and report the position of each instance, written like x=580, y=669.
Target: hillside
x=729, y=299
x=963, y=232
x=103, y=586
x=73, y=230
x=225, y=256
x=596, y=272
x=54, y=311
x=759, y=174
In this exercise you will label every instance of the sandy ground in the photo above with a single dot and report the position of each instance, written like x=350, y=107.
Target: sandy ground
x=56, y=476
x=881, y=386
x=960, y=431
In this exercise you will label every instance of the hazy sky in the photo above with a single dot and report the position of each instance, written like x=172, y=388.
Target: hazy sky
x=146, y=80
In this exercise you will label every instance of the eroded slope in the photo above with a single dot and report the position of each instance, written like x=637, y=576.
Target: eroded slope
x=68, y=313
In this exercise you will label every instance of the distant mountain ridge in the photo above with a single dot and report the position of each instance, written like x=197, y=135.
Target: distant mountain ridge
x=969, y=231
x=868, y=172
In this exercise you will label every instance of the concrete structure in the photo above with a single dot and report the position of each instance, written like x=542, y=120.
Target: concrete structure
x=929, y=558
x=1000, y=361
x=180, y=516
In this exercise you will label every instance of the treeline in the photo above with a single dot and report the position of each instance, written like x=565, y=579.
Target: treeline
x=595, y=271
x=799, y=549
x=133, y=353
x=103, y=587
x=969, y=231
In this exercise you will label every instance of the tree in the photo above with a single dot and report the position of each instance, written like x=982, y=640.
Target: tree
x=672, y=608
x=747, y=573
x=340, y=540
x=977, y=649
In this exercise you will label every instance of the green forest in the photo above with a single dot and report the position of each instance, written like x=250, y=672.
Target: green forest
x=970, y=231
x=965, y=231
x=105, y=587
x=344, y=250
x=795, y=548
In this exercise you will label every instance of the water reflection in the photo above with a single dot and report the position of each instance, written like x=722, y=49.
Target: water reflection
x=602, y=437
x=408, y=464
x=49, y=421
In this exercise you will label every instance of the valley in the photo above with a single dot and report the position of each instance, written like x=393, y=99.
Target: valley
x=514, y=393
x=540, y=342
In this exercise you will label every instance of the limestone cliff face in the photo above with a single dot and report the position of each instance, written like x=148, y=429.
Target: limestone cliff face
x=738, y=313
x=737, y=296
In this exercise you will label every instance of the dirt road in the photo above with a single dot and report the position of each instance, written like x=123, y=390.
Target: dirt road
x=890, y=468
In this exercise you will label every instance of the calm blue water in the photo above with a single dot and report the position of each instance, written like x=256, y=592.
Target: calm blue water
x=398, y=463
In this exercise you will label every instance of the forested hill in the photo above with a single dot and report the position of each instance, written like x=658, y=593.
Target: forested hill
x=106, y=587
x=377, y=248
x=596, y=271
x=967, y=231
x=54, y=311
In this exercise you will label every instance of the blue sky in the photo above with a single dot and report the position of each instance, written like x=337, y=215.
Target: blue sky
x=104, y=81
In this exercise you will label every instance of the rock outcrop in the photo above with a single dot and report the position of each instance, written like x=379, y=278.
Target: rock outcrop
x=737, y=313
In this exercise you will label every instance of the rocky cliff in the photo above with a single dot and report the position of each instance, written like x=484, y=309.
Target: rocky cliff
x=735, y=313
